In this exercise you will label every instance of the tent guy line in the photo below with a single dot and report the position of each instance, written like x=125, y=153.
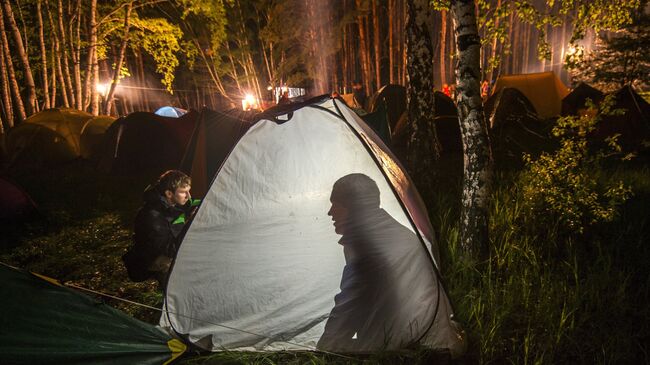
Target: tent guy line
x=74, y=286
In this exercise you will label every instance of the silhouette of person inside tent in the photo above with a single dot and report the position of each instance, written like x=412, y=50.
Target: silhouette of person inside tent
x=383, y=296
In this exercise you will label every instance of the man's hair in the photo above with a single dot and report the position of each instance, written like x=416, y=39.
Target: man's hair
x=356, y=192
x=172, y=180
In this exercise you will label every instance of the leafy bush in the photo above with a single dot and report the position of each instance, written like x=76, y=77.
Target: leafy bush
x=565, y=184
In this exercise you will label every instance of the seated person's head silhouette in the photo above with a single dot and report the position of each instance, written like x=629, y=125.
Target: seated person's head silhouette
x=353, y=197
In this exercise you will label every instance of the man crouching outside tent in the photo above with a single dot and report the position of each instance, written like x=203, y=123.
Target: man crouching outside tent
x=168, y=205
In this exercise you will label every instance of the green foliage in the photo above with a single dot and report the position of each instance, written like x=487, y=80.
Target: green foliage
x=542, y=298
x=600, y=15
x=620, y=59
x=161, y=39
x=564, y=184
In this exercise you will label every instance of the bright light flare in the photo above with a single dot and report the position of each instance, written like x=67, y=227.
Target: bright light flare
x=102, y=89
x=249, y=102
x=572, y=50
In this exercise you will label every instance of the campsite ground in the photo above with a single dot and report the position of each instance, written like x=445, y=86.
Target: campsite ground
x=543, y=296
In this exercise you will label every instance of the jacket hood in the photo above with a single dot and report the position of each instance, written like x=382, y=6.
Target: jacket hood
x=151, y=195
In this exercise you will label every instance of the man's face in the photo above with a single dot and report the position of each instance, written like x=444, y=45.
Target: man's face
x=180, y=196
x=340, y=216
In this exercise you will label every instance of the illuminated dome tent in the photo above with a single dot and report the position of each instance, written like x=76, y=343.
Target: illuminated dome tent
x=311, y=237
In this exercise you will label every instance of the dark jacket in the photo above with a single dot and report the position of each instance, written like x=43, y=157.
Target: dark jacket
x=157, y=228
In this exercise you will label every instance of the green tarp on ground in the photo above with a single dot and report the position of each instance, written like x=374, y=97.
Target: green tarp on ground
x=43, y=323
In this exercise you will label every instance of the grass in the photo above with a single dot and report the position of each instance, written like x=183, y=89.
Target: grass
x=545, y=297
x=541, y=297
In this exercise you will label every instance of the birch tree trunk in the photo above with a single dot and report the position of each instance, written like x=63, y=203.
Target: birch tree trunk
x=404, y=47
x=11, y=74
x=108, y=103
x=76, y=52
x=493, y=50
x=57, y=60
x=422, y=144
x=94, y=95
x=375, y=23
x=28, y=79
x=53, y=83
x=391, y=51
x=6, y=93
x=41, y=39
x=443, y=43
x=67, y=87
x=476, y=149
x=363, y=47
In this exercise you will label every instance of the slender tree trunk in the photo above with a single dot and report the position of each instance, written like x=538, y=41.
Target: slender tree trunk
x=53, y=83
x=108, y=103
x=94, y=95
x=403, y=57
x=363, y=47
x=443, y=42
x=28, y=79
x=143, y=81
x=375, y=22
x=508, y=65
x=476, y=148
x=41, y=39
x=526, y=46
x=369, y=84
x=233, y=66
x=58, y=71
x=391, y=50
x=344, y=58
x=64, y=57
x=563, y=75
x=6, y=93
x=75, y=46
x=493, y=50
x=11, y=74
x=516, y=51
x=422, y=146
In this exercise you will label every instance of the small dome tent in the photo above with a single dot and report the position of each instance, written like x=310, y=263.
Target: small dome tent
x=143, y=141
x=311, y=236
x=15, y=203
x=394, y=97
x=171, y=112
x=576, y=100
x=215, y=133
x=633, y=126
x=544, y=90
x=44, y=322
x=55, y=136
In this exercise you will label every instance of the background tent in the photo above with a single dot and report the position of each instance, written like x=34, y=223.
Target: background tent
x=514, y=126
x=54, y=136
x=576, y=100
x=214, y=135
x=146, y=141
x=633, y=126
x=14, y=201
x=92, y=136
x=509, y=104
x=544, y=90
x=378, y=121
x=394, y=99
x=446, y=123
x=445, y=106
x=171, y=112
x=46, y=323
x=269, y=263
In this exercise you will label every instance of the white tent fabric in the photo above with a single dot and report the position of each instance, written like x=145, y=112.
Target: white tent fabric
x=307, y=239
x=171, y=111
